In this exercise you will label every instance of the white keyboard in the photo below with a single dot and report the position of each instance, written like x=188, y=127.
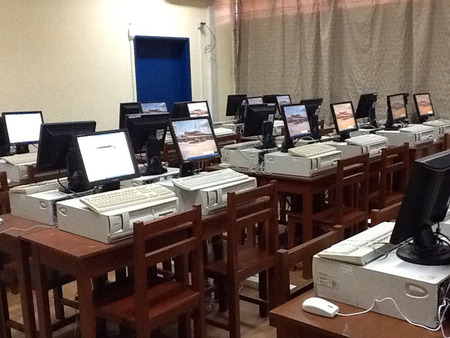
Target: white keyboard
x=126, y=197
x=208, y=179
x=21, y=159
x=220, y=131
x=366, y=139
x=33, y=188
x=363, y=247
x=416, y=128
x=437, y=123
x=312, y=149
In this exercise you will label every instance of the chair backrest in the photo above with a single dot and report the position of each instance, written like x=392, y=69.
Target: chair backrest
x=252, y=217
x=286, y=259
x=177, y=237
x=386, y=214
x=352, y=184
x=394, y=172
x=4, y=194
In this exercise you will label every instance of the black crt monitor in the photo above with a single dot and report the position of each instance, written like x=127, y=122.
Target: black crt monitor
x=396, y=109
x=23, y=128
x=56, y=144
x=198, y=108
x=234, y=102
x=105, y=158
x=296, y=124
x=343, y=118
x=312, y=109
x=194, y=141
x=258, y=120
x=366, y=109
x=424, y=205
x=153, y=107
x=423, y=105
x=147, y=134
x=180, y=110
x=128, y=108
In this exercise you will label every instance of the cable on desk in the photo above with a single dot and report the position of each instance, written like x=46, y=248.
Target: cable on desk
x=27, y=229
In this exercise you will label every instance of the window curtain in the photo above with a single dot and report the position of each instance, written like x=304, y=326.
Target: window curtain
x=339, y=49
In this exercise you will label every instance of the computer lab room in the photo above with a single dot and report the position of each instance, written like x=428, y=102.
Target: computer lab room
x=224, y=168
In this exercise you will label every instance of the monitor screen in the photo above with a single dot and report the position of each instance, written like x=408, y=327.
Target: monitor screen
x=56, y=143
x=296, y=123
x=234, y=102
x=194, y=139
x=128, y=108
x=344, y=118
x=180, y=110
x=23, y=127
x=197, y=109
x=255, y=100
x=425, y=204
x=106, y=157
x=423, y=105
x=147, y=133
x=366, y=106
x=153, y=107
x=397, y=107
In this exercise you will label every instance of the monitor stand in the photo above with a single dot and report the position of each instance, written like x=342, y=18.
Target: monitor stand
x=268, y=140
x=153, y=154
x=186, y=169
x=22, y=148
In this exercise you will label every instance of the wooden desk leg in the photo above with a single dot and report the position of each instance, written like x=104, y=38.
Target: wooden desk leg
x=307, y=231
x=86, y=306
x=25, y=290
x=43, y=307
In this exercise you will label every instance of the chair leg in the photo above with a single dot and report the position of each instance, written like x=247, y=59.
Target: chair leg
x=5, y=331
x=263, y=294
x=59, y=307
x=184, y=326
x=234, y=311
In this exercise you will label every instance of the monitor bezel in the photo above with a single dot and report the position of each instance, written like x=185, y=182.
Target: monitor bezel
x=127, y=106
x=362, y=111
x=287, y=131
x=179, y=110
x=35, y=112
x=400, y=118
x=231, y=100
x=109, y=180
x=194, y=102
x=177, y=143
x=251, y=126
x=336, y=125
x=416, y=103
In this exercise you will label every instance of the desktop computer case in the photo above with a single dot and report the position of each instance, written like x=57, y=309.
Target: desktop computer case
x=110, y=226
x=398, y=138
x=418, y=290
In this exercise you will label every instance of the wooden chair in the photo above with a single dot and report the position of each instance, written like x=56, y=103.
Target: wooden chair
x=303, y=253
x=387, y=214
x=350, y=205
x=394, y=172
x=176, y=237
x=446, y=142
x=5, y=207
x=251, y=244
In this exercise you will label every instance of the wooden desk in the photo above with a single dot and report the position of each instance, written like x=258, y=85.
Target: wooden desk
x=86, y=259
x=291, y=321
x=11, y=230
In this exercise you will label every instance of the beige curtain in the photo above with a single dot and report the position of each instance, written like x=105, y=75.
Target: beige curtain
x=339, y=49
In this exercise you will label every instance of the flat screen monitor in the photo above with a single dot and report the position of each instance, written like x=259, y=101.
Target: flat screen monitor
x=234, y=102
x=423, y=105
x=180, y=110
x=258, y=121
x=344, y=118
x=105, y=159
x=279, y=99
x=153, y=107
x=396, y=108
x=128, y=108
x=147, y=134
x=23, y=128
x=255, y=100
x=366, y=108
x=56, y=146
x=296, y=124
x=194, y=141
x=313, y=109
x=198, y=108
x=424, y=205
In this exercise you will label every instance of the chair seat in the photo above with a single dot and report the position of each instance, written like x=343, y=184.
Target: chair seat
x=171, y=297
x=351, y=216
x=250, y=261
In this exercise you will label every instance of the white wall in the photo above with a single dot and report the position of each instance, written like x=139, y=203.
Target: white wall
x=72, y=58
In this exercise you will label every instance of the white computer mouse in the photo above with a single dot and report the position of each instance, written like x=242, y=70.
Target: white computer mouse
x=320, y=306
